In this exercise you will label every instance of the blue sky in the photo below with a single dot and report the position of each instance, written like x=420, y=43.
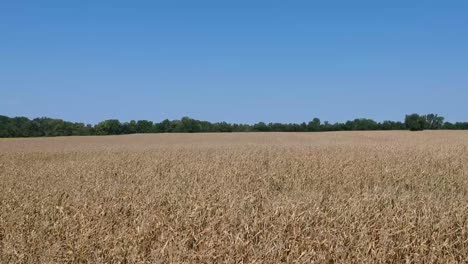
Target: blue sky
x=235, y=61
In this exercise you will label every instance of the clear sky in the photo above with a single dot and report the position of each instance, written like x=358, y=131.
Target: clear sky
x=235, y=61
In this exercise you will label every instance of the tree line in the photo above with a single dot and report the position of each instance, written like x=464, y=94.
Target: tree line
x=49, y=127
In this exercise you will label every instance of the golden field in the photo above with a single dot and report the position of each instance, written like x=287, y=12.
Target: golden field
x=337, y=197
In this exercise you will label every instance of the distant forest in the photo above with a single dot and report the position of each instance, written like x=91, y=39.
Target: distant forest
x=49, y=127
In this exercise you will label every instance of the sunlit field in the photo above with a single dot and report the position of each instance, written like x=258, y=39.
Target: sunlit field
x=344, y=197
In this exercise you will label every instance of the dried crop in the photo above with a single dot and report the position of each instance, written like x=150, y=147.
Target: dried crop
x=338, y=197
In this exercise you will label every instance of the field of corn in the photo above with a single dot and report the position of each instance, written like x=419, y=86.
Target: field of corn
x=338, y=197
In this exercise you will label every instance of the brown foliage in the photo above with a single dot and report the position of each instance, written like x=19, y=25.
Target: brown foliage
x=343, y=197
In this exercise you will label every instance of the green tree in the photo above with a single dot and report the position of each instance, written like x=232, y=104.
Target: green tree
x=109, y=127
x=164, y=127
x=5, y=126
x=314, y=125
x=24, y=127
x=434, y=121
x=260, y=126
x=130, y=127
x=222, y=127
x=144, y=126
x=415, y=122
x=191, y=125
